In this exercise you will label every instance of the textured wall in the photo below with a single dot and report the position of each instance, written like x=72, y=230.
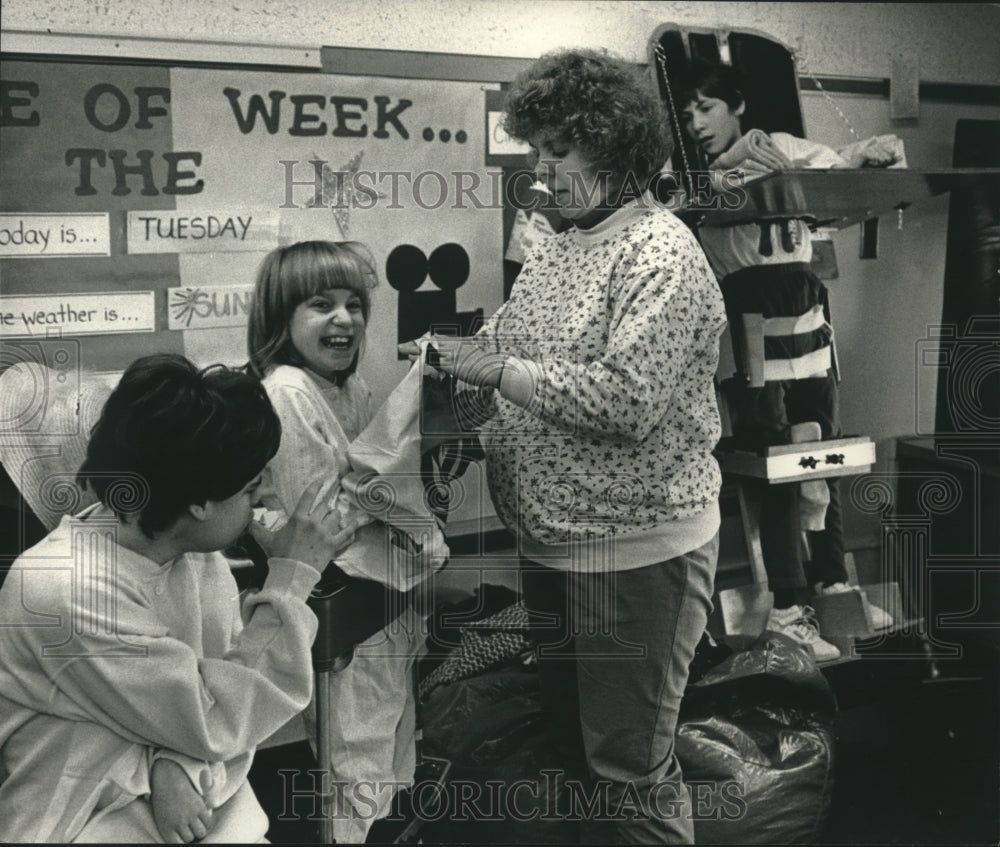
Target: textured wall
x=953, y=42
x=883, y=308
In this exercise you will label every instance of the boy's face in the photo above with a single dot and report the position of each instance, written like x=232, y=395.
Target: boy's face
x=226, y=519
x=712, y=123
x=569, y=176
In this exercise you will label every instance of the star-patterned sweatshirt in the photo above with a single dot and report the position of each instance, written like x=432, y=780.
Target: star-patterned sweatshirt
x=605, y=460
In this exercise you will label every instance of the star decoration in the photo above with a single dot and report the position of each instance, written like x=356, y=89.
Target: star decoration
x=339, y=190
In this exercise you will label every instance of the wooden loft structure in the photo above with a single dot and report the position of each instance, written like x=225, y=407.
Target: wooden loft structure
x=834, y=198
x=830, y=198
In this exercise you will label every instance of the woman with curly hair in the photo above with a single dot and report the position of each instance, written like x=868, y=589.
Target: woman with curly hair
x=599, y=443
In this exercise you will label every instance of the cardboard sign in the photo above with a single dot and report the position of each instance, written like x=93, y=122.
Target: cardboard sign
x=41, y=315
x=208, y=306
x=40, y=236
x=185, y=231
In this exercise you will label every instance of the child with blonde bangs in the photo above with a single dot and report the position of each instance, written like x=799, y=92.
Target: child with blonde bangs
x=306, y=333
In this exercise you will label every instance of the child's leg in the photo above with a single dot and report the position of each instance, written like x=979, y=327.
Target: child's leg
x=781, y=541
x=371, y=751
x=818, y=400
x=764, y=416
x=760, y=420
x=130, y=824
x=827, y=564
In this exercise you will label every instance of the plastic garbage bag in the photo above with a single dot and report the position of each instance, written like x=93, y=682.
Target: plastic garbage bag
x=755, y=741
x=754, y=738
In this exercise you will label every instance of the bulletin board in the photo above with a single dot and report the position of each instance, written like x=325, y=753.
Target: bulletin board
x=138, y=199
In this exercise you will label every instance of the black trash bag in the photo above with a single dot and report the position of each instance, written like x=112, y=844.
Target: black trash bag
x=501, y=787
x=460, y=717
x=507, y=783
x=755, y=741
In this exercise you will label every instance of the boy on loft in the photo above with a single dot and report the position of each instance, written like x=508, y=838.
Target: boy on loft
x=763, y=268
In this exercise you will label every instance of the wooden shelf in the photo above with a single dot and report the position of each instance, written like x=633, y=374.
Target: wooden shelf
x=834, y=198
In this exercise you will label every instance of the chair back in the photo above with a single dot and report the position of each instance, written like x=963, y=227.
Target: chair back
x=45, y=421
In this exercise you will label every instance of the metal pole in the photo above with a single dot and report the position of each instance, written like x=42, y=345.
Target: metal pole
x=325, y=789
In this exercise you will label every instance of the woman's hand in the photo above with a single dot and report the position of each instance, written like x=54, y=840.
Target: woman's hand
x=462, y=358
x=179, y=810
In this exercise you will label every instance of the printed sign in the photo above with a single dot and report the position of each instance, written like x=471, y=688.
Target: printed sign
x=497, y=140
x=199, y=172
x=187, y=231
x=208, y=306
x=39, y=315
x=54, y=235
x=501, y=149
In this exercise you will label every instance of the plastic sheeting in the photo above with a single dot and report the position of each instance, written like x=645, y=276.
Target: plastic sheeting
x=755, y=741
x=757, y=730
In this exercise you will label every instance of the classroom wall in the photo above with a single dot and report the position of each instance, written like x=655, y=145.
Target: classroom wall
x=883, y=308
x=954, y=42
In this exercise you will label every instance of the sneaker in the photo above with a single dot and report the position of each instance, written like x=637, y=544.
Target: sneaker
x=880, y=618
x=799, y=623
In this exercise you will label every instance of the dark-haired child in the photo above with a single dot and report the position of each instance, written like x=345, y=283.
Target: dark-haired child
x=763, y=268
x=134, y=688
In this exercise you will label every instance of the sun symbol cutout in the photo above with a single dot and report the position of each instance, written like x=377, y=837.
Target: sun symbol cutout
x=186, y=303
x=339, y=190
